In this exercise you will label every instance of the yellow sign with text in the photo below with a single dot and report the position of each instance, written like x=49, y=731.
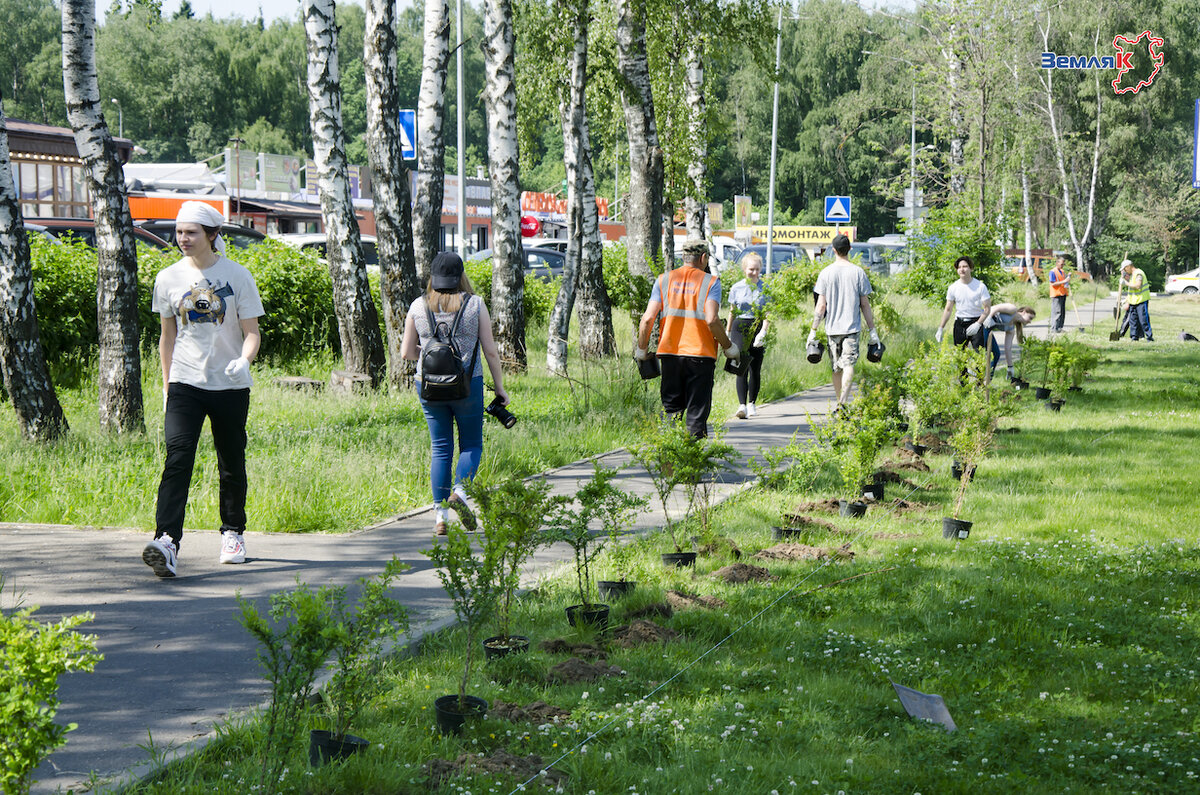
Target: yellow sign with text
x=802, y=235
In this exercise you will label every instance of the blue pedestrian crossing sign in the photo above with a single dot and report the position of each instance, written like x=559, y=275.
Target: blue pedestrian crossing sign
x=408, y=134
x=837, y=209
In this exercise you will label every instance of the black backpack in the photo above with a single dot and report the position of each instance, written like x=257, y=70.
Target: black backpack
x=443, y=377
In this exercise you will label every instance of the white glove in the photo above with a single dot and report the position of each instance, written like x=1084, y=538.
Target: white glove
x=974, y=328
x=760, y=339
x=937, y=335
x=812, y=337
x=732, y=351
x=874, y=337
x=238, y=368
x=641, y=354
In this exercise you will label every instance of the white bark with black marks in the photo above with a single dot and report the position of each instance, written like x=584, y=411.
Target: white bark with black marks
x=508, y=257
x=22, y=361
x=643, y=208
x=695, y=207
x=398, y=285
x=358, y=319
x=431, y=144
x=119, y=377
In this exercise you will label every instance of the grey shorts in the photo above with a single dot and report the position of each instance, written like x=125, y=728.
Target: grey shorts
x=843, y=350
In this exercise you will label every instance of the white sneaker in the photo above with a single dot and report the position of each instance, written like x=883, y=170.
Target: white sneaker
x=750, y=410
x=741, y=412
x=233, y=549
x=160, y=555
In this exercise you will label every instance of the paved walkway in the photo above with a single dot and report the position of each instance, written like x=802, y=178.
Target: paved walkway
x=176, y=659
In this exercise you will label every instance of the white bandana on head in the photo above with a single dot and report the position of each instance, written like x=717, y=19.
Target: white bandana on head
x=194, y=212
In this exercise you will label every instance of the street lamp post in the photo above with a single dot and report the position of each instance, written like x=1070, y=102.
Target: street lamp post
x=911, y=204
x=237, y=178
x=120, y=118
x=462, y=133
x=774, y=146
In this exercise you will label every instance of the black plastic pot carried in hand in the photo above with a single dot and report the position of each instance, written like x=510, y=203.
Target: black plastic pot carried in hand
x=848, y=508
x=615, y=589
x=679, y=559
x=324, y=747
x=957, y=529
x=451, y=716
x=588, y=615
x=500, y=646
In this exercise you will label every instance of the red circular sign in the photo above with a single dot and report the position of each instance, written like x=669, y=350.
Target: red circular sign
x=530, y=226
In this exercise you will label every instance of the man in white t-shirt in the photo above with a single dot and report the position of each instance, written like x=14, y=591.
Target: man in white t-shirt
x=969, y=300
x=209, y=307
x=843, y=300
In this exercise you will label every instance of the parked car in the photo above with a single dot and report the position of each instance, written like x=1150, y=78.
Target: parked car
x=782, y=255
x=544, y=263
x=85, y=229
x=1187, y=282
x=553, y=243
x=316, y=243
x=234, y=235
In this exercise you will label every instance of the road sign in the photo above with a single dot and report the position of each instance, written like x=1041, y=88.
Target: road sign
x=911, y=213
x=837, y=209
x=408, y=134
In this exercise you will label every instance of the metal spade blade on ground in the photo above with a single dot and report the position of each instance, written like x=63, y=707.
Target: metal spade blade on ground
x=926, y=706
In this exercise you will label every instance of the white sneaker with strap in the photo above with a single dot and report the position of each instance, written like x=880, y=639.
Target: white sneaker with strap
x=160, y=554
x=233, y=548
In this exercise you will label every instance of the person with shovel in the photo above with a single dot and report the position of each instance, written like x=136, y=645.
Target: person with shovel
x=1060, y=287
x=1133, y=281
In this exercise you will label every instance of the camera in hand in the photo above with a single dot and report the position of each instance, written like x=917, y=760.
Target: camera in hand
x=503, y=415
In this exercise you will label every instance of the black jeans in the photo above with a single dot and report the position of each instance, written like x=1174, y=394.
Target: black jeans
x=961, y=339
x=742, y=334
x=226, y=410
x=686, y=388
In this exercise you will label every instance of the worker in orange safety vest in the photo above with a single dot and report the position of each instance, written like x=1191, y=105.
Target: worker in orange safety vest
x=1060, y=288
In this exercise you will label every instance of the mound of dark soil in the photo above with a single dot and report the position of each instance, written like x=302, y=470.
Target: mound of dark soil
x=641, y=632
x=576, y=670
x=500, y=762
x=740, y=573
x=538, y=712
x=687, y=601
x=560, y=646
x=792, y=551
x=654, y=610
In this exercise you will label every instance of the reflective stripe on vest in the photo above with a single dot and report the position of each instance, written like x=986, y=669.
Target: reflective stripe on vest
x=1058, y=286
x=684, y=330
x=1142, y=294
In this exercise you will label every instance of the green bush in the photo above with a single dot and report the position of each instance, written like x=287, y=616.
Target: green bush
x=540, y=295
x=32, y=657
x=297, y=296
x=949, y=233
x=625, y=291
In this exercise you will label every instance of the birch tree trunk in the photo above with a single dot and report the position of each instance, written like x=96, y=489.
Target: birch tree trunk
x=508, y=257
x=358, y=319
x=22, y=361
x=695, y=208
x=398, y=284
x=431, y=145
x=119, y=380
x=643, y=207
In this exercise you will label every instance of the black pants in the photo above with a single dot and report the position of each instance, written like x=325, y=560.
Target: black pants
x=226, y=410
x=686, y=388
x=960, y=333
x=742, y=334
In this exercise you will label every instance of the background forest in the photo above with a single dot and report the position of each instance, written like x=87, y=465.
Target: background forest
x=1098, y=173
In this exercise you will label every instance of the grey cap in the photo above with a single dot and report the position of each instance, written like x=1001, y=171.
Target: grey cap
x=695, y=245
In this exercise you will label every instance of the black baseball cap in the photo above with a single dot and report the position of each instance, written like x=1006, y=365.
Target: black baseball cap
x=445, y=272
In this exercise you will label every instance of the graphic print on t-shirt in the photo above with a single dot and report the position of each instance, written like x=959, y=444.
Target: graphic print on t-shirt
x=204, y=303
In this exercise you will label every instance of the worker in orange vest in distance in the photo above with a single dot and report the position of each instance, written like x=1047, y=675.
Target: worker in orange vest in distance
x=1060, y=288
x=689, y=299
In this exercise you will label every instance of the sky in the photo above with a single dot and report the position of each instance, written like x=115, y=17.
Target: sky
x=225, y=9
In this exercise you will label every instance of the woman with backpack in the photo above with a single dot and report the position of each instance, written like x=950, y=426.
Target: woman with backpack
x=444, y=332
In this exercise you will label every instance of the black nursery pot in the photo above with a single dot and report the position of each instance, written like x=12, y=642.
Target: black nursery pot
x=912, y=446
x=848, y=508
x=499, y=646
x=873, y=491
x=1055, y=404
x=324, y=748
x=957, y=529
x=785, y=533
x=956, y=471
x=679, y=559
x=592, y=616
x=1041, y=393
x=615, y=589
x=450, y=718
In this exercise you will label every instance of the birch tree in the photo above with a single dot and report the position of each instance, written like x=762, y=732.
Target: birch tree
x=119, y=379
x=431, y=145
x=398, y=284
x=695, y=206
x=643, y=207
x=508, y=257
x=22, y=361
x=358, y=319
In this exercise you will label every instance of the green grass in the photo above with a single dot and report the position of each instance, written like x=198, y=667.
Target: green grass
x=1062, y=634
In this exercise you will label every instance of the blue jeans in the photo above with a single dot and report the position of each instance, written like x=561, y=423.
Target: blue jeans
x=1139, y=321
x=441, y=417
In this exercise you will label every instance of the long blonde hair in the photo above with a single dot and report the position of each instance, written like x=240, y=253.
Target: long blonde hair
x=439, y=301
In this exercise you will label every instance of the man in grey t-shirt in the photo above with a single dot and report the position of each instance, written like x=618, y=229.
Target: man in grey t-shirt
x=842, y=302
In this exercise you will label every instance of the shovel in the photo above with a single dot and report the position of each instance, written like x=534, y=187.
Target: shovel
x=1115, y=334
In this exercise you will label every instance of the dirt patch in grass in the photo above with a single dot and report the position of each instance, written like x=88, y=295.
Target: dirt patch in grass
x=900, y=506
x=654, y=610
x=575, y=670
x=801, y=522
x=560, y=646
x=828, y=506
x=740, y=573
x=792, y=551
x=500, y=762
x=538, y=712
x=909, y=462
x=681, y=600
x=641, y=632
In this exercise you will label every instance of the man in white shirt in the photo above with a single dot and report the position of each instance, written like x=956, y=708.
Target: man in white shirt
x=969, y=300
x=843, y=291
